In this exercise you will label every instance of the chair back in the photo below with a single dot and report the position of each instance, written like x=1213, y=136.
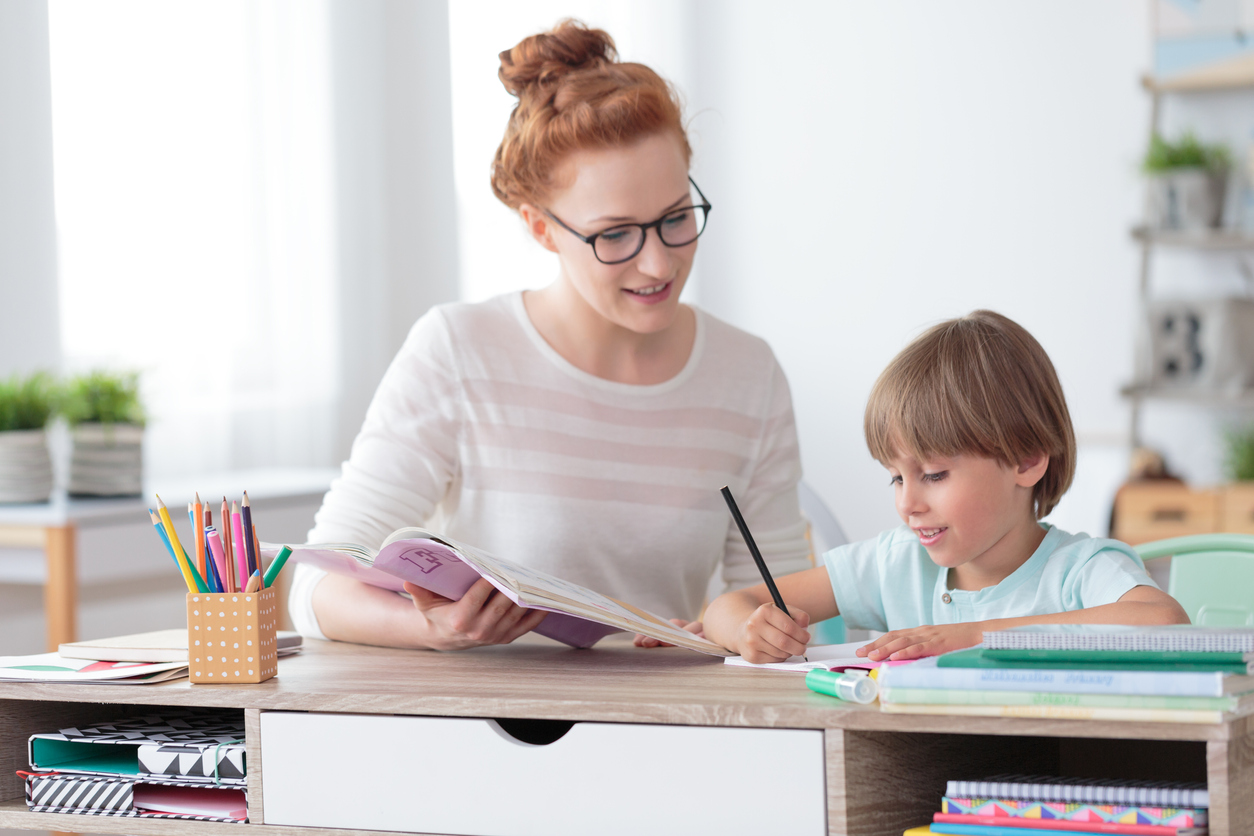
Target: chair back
x=1212, y=576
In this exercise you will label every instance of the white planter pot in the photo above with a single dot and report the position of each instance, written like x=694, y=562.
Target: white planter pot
x=25, y=466
x=1186, y=199
x=107, y=460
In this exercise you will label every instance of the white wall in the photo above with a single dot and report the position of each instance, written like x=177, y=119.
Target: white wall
x=875, y=168
x=29, y=334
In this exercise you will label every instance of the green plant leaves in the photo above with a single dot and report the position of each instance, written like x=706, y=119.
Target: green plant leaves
x=1185, y=152
x=26, y=404
x=102, y=397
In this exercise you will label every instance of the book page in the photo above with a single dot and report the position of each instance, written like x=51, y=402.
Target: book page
x=821, y=657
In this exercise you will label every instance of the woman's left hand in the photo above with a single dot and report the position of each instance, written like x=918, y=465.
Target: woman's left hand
x=927, y=640
x=690, y=626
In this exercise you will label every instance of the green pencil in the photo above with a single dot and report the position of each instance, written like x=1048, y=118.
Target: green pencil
x=276, y=567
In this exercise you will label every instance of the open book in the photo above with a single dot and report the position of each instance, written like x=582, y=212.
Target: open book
x=579, y=617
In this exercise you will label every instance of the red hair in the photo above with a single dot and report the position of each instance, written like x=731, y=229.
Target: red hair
x=574, y=94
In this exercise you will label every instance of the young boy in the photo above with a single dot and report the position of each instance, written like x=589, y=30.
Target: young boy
x=971, y=422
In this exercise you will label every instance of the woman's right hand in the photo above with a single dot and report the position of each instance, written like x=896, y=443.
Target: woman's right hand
x=482, y=616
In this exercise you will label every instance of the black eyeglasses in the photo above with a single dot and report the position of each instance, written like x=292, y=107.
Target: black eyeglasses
x=677, y=228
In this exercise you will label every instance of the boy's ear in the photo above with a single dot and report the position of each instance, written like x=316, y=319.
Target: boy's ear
x=538, y=225
x=1031, y=470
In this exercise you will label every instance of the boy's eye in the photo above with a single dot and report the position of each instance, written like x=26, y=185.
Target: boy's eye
x=894, y=480
x=935, y=477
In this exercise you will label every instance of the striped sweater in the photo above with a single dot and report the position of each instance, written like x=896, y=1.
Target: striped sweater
x=481, y=431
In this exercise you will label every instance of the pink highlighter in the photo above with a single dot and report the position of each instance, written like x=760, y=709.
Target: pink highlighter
x=241, y=554
x=219, y=559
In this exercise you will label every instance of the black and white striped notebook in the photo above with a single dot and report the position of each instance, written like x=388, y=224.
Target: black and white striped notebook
x=1082, y=790
x=1180, y=638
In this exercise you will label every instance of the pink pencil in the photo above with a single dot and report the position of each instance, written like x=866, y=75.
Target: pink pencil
x=219, y=558
x=241, y=554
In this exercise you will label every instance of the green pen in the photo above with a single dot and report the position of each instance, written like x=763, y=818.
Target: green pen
x=276, y=566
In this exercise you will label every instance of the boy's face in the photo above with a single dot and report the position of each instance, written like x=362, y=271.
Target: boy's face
x=963, y=507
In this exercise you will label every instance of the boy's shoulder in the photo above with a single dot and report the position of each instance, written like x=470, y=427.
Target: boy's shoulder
x=894, y=547
x=1080, y=547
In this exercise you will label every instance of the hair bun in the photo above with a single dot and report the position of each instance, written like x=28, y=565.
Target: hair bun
x=546, y=57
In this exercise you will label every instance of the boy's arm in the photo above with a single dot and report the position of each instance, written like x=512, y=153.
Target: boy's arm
x=1139, y=605
x=748, y=622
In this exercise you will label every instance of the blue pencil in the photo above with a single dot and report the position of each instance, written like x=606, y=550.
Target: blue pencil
x=156, y=523
x=211, y=573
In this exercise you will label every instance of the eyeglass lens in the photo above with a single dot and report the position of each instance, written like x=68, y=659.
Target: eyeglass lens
x=677, y=229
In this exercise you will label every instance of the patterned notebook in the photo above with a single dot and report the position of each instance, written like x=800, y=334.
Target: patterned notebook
x=96, y=795
x=199, y=745
x=1062, y=811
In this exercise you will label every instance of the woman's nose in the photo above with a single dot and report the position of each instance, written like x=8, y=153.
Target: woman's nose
x=655, y=258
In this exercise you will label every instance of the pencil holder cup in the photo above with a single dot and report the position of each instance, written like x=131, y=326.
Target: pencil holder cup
x=231, y=636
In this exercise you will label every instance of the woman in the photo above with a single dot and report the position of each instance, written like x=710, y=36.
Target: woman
x=583, y=429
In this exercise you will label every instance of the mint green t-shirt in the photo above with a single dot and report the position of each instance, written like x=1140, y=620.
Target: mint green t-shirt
x=889, y=582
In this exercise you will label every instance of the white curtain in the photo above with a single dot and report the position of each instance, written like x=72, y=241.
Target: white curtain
x=195, y=209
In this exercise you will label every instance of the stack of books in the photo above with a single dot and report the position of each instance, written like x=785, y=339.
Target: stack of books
x=176, y=764
x=1020, y=805
x=1177, y=674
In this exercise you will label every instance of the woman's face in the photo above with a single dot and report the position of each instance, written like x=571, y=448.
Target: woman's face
x=597, y=190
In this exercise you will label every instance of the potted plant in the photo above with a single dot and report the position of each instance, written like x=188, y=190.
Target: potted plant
x=25, y=466
x=1237, y=513
x=1187, y=181
x=107, y=434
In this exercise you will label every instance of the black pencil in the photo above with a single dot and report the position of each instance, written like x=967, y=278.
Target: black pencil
x=757, y=555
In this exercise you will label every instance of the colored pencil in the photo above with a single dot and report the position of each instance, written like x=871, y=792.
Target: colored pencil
x=757, y=555
x=246, y=516
x=196, y=583
x=211, y=576
x=257, y=549
x=221, y=563
x=237, y=545
x=198, y=526
x=254, y=582
x=227, y=545
x=276, y=566
x=156, y=523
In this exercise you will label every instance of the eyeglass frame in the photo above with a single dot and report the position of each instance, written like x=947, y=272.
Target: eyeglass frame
x=590, y=240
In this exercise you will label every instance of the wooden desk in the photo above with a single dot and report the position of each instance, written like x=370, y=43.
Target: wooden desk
x=884, y=772
x=53, y=527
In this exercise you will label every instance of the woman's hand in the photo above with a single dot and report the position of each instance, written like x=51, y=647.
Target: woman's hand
x=483, y=616
x=693, y=627
x=770, y=636
x=928, y=640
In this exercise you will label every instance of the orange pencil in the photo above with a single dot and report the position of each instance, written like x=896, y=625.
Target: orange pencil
x=231, y=586
x=257, y=547
x=199, y=532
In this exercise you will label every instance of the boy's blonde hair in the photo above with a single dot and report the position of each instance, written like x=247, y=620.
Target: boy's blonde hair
x=981, y=385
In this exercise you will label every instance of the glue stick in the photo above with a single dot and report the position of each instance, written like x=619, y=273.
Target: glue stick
x=851, y=685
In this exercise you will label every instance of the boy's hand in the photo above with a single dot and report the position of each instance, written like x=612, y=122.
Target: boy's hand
x=770, y=636
x=928, y=640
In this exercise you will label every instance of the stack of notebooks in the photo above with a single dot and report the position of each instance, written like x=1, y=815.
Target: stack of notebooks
x=1176, y=674
x=1021, y=805
x=178, y=764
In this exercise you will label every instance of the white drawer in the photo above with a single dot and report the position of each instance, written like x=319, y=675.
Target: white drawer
x=468, y=776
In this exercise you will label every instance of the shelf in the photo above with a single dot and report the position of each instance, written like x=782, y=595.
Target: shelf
x=1137, y=391
x=15, y=815
x=1231, y=74
x=1217, y=240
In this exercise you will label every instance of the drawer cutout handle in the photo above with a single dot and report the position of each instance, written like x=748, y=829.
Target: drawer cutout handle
x=531, y=732
x=1169, y=515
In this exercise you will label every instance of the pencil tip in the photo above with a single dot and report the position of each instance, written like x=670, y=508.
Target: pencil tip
x=198, y=502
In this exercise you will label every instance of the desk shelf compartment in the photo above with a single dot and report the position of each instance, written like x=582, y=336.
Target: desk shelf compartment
x=882, y=783
x=470, y=775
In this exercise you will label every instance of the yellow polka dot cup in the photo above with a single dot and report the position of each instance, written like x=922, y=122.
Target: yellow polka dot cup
x=231, y=636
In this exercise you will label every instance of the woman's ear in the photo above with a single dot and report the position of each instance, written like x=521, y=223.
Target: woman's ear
x=538, y=225
x=1031, y=470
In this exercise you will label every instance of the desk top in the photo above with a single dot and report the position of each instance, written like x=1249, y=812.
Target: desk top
x=262, y=484
x=613, y=682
